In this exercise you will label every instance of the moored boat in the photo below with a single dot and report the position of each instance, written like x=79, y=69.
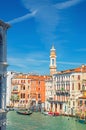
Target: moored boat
x=50, y=113
x=83, y=121
x=53, y=113
x=45, y=113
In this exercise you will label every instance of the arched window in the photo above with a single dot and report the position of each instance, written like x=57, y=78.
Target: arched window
x=52, y=61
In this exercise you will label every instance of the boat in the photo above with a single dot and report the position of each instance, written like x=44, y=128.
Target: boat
x=45, y=113
x=81, y=118
x=53, y=113
x=83, y=121
x=22, y=112
x=50, y=113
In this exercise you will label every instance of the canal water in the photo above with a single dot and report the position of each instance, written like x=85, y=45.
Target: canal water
x=38, y=121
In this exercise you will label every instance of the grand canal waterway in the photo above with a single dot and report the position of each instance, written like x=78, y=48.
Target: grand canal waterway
x=38, y=121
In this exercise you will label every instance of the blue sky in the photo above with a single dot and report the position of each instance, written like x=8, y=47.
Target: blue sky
x=36, y=25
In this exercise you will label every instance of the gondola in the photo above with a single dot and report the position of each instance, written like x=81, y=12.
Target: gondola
x=24, y=112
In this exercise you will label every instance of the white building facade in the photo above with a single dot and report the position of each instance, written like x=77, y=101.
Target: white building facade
x=49, y=94
x=68, y=86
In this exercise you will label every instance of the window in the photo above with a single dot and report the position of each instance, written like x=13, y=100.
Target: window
x=39, y=89
x=39, y=96
x=73, y=103
x=28, y=87
x=52, y=61
x=78, y=77
x=72, y=86
x=39, y=82
x=24, y=87
x=72, y=77
x=22, y=95
x=83, y=87
x=80, y=102
x=79, y=86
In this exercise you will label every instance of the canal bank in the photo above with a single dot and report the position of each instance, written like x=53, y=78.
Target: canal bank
x=38, y=121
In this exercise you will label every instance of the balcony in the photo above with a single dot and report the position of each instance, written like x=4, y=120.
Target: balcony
x=56, y=101
x=15, y=91
x=62, y=93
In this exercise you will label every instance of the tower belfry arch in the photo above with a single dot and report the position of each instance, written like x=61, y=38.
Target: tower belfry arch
x=53, y=66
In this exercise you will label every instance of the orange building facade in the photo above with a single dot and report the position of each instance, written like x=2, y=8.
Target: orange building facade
x=28, y=90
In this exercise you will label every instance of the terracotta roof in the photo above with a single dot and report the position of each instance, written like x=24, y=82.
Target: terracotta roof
x=79, y=69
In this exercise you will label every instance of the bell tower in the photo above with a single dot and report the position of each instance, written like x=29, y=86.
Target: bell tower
x=52, y=61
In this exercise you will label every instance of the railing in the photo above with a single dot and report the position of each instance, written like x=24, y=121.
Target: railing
x=63, y=93
x=56, y=101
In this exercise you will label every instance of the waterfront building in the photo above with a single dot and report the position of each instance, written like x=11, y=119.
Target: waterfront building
x=81, y=109
x=61, y=84
x=28, y=90
x=53, y=61
x=68, y=85
x=49, y=94
x=3, y=72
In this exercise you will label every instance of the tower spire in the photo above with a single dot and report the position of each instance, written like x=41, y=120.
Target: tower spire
x=52, y=60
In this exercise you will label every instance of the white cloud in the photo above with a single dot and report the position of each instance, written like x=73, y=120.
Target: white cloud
x=28, y=65
x=47, y=15
x=67, y=4
x=46, y=18
x=26, y=62
x=22, y=18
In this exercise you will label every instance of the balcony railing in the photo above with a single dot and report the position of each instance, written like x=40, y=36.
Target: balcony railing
x=15, y=91
x=56, y=101
x=63, y=93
